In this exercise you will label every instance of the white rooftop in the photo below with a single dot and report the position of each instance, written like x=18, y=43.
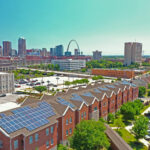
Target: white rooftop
x=8, y=106
x=3, y=73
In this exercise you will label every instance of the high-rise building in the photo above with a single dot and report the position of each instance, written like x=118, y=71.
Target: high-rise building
x=59, y=50
x=21, y=47
x=7, y=48
x=67, y=53
x=132, y=53
x=97, y=55
x=76, y=52
x=52, y=52
x=1, y=51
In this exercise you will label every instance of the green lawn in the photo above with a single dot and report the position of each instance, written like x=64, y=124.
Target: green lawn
x=145, y=107
x=130, y=139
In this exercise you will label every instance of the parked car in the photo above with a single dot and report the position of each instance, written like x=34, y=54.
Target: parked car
x=2, y=95
x=37, y=83
x=17, y=86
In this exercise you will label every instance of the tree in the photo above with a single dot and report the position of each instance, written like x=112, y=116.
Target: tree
x=40, y=88
x=148, y=86
x=140, y=127
x=148, y=93
x=128, y=111
x=118, y=123
x=62, y=147
x=89, y=135
x=110, y=118
x=142, y=91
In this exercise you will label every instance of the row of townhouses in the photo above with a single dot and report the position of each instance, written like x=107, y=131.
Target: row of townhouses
x=45, y=123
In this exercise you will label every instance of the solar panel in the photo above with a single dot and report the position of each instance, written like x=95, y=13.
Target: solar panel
x=76, y=97
x=88, y=94
x=27, y=117
x=64, y=102
x=116, y=83
x=110, y=86
x=97, y=91
x=103, y=89
x=126, y=82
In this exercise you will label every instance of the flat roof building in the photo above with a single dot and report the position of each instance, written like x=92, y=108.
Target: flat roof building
x=7, y=48
x=69, y=64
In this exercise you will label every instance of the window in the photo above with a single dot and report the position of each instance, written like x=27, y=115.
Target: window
x=52, y=129
x=15, y=144
x=36, y=137
x=95, y=108
x=47, y=144
x=47, y=131
x=84, y=114
x=70, y=120
x=30, y=139
x=1, y=144
x=70, y=130
x=67, y=122
x=52, y=141
x=66, y=132
x=104, y=104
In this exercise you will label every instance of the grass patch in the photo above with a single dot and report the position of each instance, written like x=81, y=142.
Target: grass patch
x=130, y=139
x=144, y=108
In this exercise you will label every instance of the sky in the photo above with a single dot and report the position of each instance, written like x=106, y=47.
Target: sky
x=95, y=24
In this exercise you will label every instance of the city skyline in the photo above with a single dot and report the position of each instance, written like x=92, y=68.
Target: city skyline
x=96, y=25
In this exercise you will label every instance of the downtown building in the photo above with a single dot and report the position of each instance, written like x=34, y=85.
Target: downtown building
x=97, y=55
x=132, y=53
x=45, y=123
x=21, y=47
x=7, y=49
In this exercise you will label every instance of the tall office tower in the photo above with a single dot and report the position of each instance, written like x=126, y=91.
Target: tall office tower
x=52, y=52
x=132, y=53
x=76, y=52
x=1, y=51
x=97, y=55
x=7, y=48
x=21, y=47
x=59, y=50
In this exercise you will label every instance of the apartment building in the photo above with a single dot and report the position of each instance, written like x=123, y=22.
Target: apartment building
x=45, y=123
x=132, y=53
x=6, y=83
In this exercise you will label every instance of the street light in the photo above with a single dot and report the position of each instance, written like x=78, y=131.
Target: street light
x=48, y=84
x=57, y=80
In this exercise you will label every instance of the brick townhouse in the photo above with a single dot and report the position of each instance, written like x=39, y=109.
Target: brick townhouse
x=45, y=123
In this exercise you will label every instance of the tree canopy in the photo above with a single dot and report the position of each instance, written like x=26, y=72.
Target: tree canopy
x=130, y=109
x=140, y=127
x=40, y=88
x=89, y=135
x=142, y=91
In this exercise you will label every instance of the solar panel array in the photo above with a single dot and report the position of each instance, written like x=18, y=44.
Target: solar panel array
x=103, y=89
x=64, y=102
x=88, y=94
x=97, y=91
x=76, y=97
x=27, y=117
x=110, y=86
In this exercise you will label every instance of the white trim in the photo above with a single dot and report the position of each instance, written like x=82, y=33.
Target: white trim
x=112, y=94
x=82, y=105
x=3, y=131
x=67, y=110
x=95, y=98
